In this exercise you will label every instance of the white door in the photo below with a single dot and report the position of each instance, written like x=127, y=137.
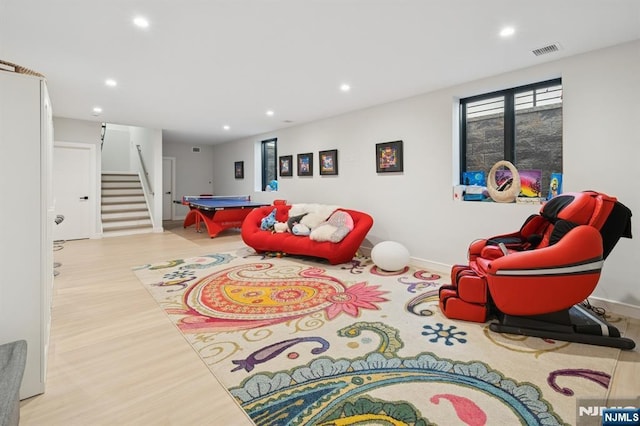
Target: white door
x=73, y=167
x=167, y=187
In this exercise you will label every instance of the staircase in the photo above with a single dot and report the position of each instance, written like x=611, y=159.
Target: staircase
x=124, y=208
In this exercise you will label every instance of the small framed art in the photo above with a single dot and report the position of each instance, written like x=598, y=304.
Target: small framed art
x=285, y=165
x=389, y=157
x=328, y=162
x=238, y=168
x=305, y=164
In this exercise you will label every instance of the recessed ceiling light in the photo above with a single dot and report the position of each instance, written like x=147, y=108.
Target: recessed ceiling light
x=345, y=87
x=507, y=31
x=111, y=82
x=270, y=113
x=97, y=110
x=141, y=22
x=226, y=127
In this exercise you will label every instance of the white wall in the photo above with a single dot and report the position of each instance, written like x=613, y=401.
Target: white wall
x=72, y=130
x=194, y=171
x=150, y=142
x=602, y=122
x=601, y=146
x=115, y=150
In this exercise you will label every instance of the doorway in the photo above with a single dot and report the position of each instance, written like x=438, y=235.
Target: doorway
x=74, y=177
x=168, y=187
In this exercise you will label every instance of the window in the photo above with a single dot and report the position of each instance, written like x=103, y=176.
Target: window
x=269, y=155
x=522, y=125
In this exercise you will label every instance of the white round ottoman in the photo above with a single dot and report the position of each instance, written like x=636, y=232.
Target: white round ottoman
x=390, y=256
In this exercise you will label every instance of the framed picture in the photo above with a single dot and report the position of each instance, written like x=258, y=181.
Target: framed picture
x=530, y=182
x=329, y=162
x=305, y=164
x=389, y=157
x=286, y=165
x=238, y=168
x=555, y=185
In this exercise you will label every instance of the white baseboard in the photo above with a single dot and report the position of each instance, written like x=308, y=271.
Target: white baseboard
x=430, y=265
x=365, y=250
x=619, y=308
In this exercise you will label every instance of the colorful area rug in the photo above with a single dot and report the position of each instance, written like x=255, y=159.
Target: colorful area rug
x=299, y=342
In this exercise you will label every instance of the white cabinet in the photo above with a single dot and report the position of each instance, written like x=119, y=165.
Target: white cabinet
x=26, y=221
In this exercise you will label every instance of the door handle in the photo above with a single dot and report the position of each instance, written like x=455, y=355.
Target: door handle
x=86, y=197
x=168, y=192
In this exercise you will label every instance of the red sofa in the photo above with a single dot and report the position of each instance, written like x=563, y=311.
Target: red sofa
x=267, y=241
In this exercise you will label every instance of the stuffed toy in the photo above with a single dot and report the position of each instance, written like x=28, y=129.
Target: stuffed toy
x=267, y=222
x=311, y=220
x=280, y=227
x=300, y=229
x=337, y=227
x=272, y=186
x=294, y=220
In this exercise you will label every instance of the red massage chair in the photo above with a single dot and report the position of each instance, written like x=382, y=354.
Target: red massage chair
x=536, y=281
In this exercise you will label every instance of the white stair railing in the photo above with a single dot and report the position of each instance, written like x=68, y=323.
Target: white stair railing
x=149, y=195
x=144, y=170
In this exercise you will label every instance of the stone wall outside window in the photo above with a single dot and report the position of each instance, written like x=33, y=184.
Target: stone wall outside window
x=538, y=141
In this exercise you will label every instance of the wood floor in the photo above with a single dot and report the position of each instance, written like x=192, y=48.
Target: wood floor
x=116, y=359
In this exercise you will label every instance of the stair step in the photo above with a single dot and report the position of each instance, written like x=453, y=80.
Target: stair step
x=122, y=199
x=127, y=231
x=125, y=224
x=134, y=201
x=118, y=216
x=120, y=181
x=116, y=192
x=120, y=184
x=120, y=176
x=123, y=208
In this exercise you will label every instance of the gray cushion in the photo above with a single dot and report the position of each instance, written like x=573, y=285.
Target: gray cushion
x=13, y=357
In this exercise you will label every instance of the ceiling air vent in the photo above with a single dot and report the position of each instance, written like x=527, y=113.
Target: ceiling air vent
x=546, y=49
x=195, y=149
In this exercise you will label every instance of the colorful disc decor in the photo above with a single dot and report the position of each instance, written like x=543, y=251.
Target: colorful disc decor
x=505, y=193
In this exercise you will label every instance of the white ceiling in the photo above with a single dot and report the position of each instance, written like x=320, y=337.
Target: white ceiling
x=205, y=63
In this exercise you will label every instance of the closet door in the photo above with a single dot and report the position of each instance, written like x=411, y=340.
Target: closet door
x=26, y=251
